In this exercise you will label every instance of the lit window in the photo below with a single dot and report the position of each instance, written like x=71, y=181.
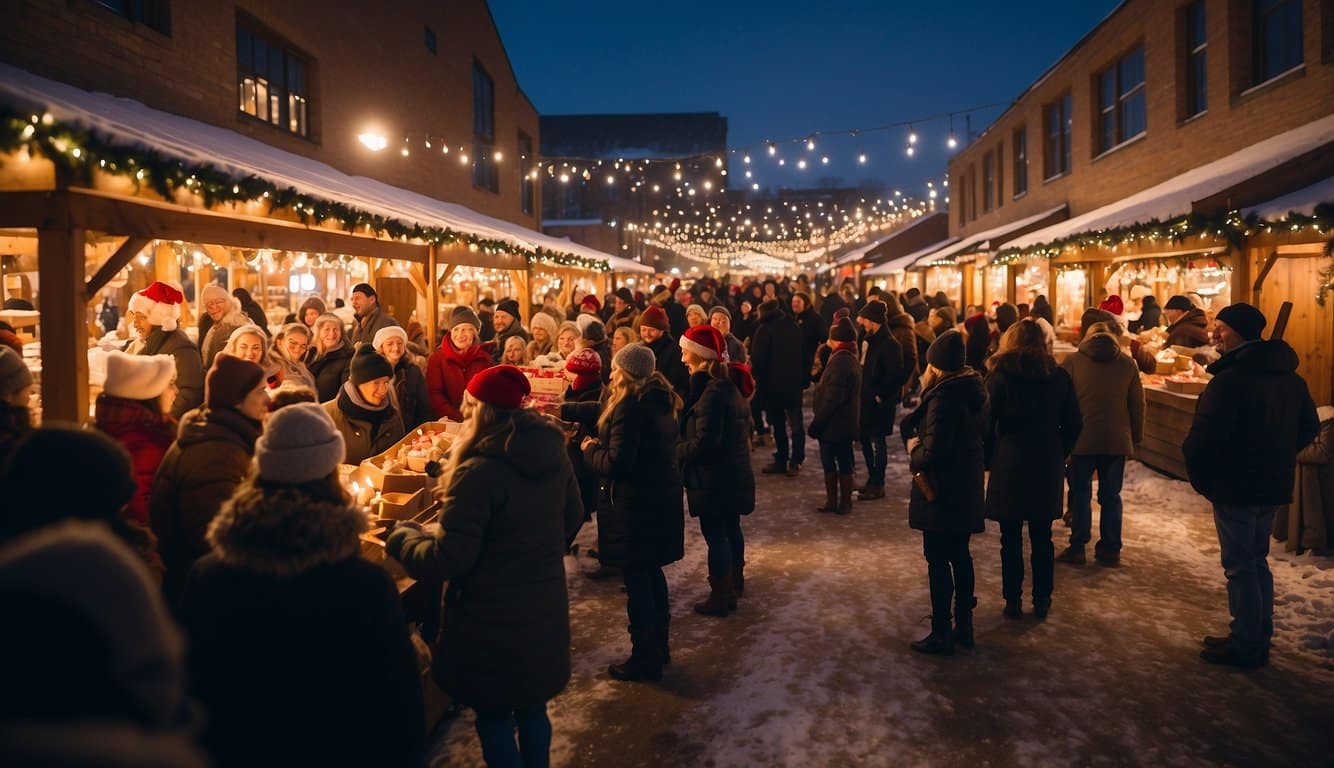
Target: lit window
x=272, y=80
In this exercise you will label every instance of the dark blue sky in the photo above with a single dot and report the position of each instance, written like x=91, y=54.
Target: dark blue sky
x=783, y=69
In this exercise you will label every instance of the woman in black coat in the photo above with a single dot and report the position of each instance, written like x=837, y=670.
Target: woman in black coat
x=836, y=415
x=1032, y=427
x=635, y=451
x=299, y=650
x=944, y=440
x=329, y=357
x=510, y=507
x=715, y=462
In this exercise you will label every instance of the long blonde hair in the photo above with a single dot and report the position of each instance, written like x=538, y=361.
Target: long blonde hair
x=480, y=421
x=623, y=385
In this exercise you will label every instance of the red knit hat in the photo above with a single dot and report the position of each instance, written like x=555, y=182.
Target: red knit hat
x=585, y=362
x=502, y=386
x=161, y=302
x=1113, y=305
x=705, y=341
x=654, y=317
x=591, y=302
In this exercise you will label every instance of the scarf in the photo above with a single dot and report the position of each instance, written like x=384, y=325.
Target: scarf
x=846, y=346
x=354, y=406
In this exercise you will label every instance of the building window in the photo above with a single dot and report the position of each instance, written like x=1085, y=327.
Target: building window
x=527, y=174
x=484, y=172
x=1121, y=101
x=273, y=80
x=1020, y=160
x=429, y=36
x=988, y=182
x=1056, y=146
x=1197, y=75
x=1278, y=37
x=1000, y=174
x=154, y=14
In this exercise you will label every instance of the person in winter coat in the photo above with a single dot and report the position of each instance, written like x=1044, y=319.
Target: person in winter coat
x=594, y=337
x=901, y=327
x=251, y=309
x=133, y=410
x=364, y=411
x=1042, y=308
x=510, y=509
x=289, y=352
x=654, y=333
x=1111, y=408
x=567, y=340
x=224, y=315
x=154, y=313
x=1187, y=325
x=814, y=330
x=624, y=312
x=410, y=392
x=721, y=318
x=544, y=335
x=714, y=454
x=369, y=316
x=200, y=470
x=310, y=311
x=832, y=303
x=1241, y=454
x=1150, y=315
x=781, y=373
x=461, y=355
x=506, y=323
x=16, y=388
x=249, y=342
x=836, y=406
x=621, y=338
x=946, y=500
x=299, y=650
x=329, y=357
x=978, y=332
x=883, y=377
x=81, y=614
x=1308, y=523
x=1032, y=427
x=583, y=371
x=635, y=451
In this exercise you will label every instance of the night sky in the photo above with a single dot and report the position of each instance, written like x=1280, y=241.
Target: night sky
x=780, y=69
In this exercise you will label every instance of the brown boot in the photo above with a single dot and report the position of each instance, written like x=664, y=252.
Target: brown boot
x=721, y=598
x=844, y=494
x=830, y=493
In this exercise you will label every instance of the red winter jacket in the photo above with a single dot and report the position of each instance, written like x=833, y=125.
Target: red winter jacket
x=448, y=372
x=146, y=435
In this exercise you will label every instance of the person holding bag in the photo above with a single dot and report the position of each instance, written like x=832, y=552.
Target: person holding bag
x=944, y=441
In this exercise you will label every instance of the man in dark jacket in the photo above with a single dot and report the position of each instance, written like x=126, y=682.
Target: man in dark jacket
x=813, y=327
x=653, y=331
x=781, y=373
x=1150, y=315
x=1187, y=325
x=370, y=316
x=486, y=312
x=883, y=378
x=506, y=323
x=1241, y=454
x=831, y=304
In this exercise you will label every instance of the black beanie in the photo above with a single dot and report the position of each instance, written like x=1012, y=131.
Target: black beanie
x=369, y=365
x=364, y=289
x=42, y=462
x=594, y=332
x=624, y=294
x=1179, y=303
x=874, y=311
x=842, y=330
x=947, y=352
x=509, y=305
x=1243, y=318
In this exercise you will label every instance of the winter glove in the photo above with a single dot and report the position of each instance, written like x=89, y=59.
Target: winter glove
x=403, y=532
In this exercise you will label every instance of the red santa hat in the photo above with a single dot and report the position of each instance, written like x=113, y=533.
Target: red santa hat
x=161, y=303
x=705, y=341
x=502, y=386
x=1113, y=305
x=591, y=303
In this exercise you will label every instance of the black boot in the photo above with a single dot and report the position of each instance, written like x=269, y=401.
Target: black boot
x=1041, y=607
x=776, y=468
x=663, y=645
x=936, y=643
x=872, y=491
x=645, y=662
x=721, y=598
x=739, y=578
x=1014, y=609
x=830, y=493
x=963, y=622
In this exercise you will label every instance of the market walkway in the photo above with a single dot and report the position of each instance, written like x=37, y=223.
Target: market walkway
x=815, y=669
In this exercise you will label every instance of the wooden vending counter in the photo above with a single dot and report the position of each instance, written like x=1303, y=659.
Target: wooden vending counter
x=1167, y=419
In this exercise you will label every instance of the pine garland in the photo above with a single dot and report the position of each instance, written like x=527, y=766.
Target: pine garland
x=81, y=152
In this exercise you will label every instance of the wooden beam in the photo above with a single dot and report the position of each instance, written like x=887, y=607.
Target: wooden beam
x=128, y=250
x=432, y=293
x=64, y=331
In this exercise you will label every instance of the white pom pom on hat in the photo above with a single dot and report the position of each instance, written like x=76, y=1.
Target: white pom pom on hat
x=138, y=377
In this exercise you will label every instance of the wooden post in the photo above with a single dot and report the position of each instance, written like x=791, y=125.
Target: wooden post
x=60, y=267
x=432, y=292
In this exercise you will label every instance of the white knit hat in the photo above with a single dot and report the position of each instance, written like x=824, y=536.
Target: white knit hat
x=585, y=320
x=544, y=321
x=161, y=303
x=138, y=377
x=384, y=334
x=300, y=444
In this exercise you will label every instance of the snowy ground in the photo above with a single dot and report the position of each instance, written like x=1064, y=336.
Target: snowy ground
x=815, y=670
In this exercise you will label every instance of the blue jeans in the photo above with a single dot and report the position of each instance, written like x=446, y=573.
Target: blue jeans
x=1243, y=537
x=1111, y=472
x=783, y=419
x=727, y=545
x=836, y=457
x=495, y=729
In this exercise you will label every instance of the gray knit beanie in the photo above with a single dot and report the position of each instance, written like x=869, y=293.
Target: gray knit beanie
x=300, y=444
x=14, y=373
x=636, y=360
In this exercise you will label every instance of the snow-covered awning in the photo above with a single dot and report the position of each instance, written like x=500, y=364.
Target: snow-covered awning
x=902, y=263
x=131, y=123
x=1303, y=201
x=1174, y=197
x=986, y=240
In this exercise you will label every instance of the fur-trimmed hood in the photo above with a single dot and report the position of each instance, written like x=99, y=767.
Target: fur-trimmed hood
x=283, y=532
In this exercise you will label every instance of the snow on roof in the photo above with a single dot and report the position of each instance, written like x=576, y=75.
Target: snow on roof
x=982, y=240
x=1302, y=201
x=858, y=253
x=189, y=140
x=1174, y=197
x=903, y=262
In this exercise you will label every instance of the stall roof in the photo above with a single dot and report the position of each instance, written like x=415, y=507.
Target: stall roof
x=1302, y=201
x=1174, y=197
x=903, y=262
x=189, y=140
x=989, y=239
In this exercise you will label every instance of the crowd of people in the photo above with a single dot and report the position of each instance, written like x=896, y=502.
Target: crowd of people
x=208, y=552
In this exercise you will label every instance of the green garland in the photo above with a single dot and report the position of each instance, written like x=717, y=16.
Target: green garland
x=80, y=152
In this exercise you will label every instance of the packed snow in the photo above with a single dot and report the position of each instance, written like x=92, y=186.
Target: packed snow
x=815, y=669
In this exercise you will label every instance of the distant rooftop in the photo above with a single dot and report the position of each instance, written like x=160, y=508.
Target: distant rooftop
x=634, y=136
